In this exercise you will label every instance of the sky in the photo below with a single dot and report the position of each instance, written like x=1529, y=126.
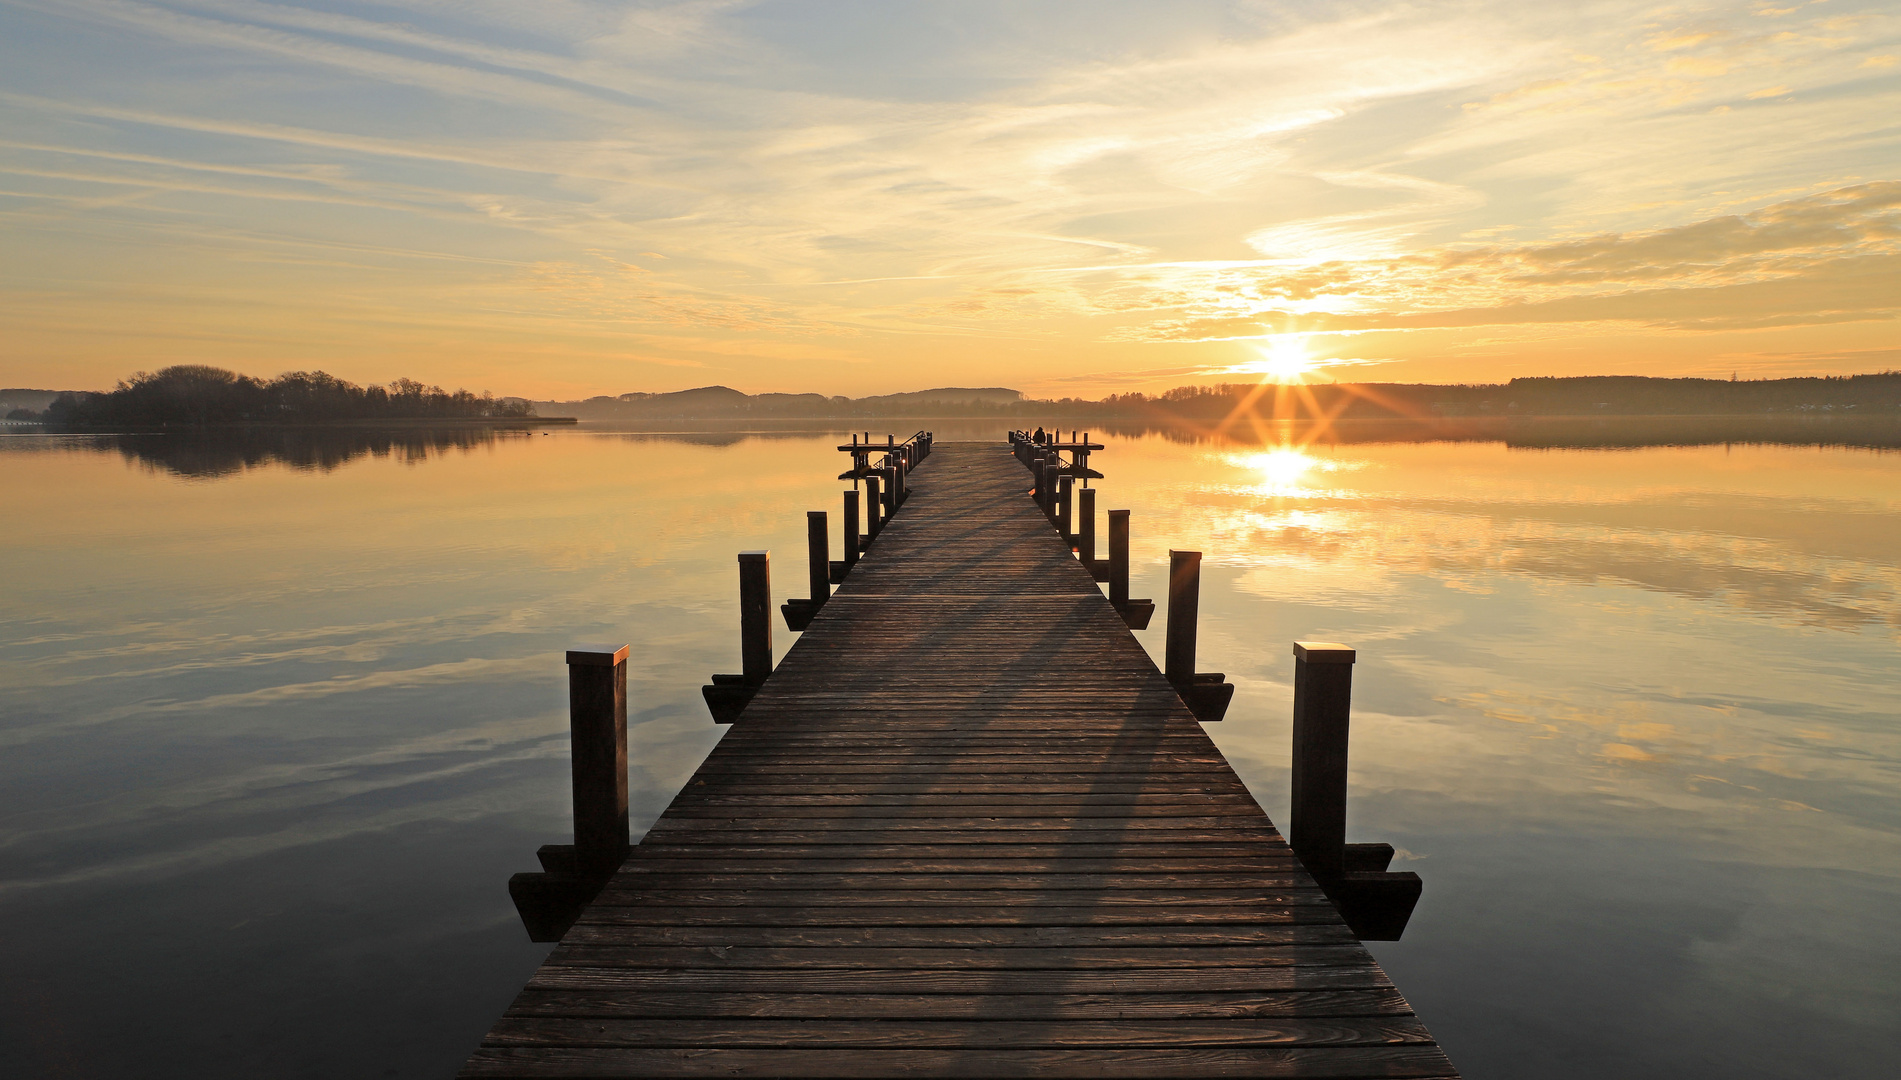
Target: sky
x=570, y=198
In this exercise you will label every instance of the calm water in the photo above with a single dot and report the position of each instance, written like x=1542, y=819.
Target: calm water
x=280, y=717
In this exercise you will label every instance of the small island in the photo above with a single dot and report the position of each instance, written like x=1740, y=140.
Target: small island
x=198, y=396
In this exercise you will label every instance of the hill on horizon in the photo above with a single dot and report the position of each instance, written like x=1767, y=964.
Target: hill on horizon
x=20, y=397
x=989, y=395
x=712, y=402
x=721, y=393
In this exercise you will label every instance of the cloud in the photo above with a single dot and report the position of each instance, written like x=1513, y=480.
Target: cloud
x=1845, y=290
x=1141, y=375
x=1048, y=178
x=364, y=47
x=1830, y=257
x=1204, y=328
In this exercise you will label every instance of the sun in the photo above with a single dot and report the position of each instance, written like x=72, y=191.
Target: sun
x=1284, y=360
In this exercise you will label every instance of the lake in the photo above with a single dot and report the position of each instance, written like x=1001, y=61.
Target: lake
x=282, y=712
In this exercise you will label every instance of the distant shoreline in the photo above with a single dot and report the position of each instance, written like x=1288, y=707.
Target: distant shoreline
x=192, y=397
x=220, y=450
x=765, y=424
x=904, y=425
x=326, y=425
x=909, y=422
x=1582, y=396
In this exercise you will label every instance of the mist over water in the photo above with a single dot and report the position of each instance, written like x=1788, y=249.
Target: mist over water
x=280, y=713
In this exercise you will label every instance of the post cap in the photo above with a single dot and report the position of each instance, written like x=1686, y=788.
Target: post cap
x=593, y=655
x=1323, y=652
x=1174, y=554
x=758, y=554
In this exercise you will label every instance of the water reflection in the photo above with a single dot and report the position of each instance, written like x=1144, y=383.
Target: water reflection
x=1625, y=699
x=1283, y=465
x=1787, y=533
x=214, y=454
x=271, y=744
x=1286, y=470
x=225, y=452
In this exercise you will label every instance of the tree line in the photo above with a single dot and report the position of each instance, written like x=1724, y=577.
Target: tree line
x=195, y=395
x=1601, y=395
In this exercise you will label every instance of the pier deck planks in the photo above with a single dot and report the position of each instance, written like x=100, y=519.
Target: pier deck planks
x=965, y=829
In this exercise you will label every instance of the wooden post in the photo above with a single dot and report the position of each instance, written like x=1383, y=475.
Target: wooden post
x=597, y=723
x=1036, y=472
x=1118, y=557
x=1184, y=603
x=1065, y=505
x=1323, y=691
x=1086, y=527
x=755, y=617
x=818, y=543
x=851, y=528
x=874, y=507
x=890, y=490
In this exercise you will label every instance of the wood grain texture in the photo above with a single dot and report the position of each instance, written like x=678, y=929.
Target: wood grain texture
x=956, y=1034
x=1417, y=1062
x=612, y=1004
x=1014, y=853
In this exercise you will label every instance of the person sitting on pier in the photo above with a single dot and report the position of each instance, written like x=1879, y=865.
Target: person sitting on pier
x=1039, y=438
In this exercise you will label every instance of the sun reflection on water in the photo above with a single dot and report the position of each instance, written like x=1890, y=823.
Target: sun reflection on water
x=1286, y=471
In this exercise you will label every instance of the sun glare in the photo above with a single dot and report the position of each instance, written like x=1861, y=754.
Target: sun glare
x=1281, y=468
x=1285, y=360
x=1288, y=471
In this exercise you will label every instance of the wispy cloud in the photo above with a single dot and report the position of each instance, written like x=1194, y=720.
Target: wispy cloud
x=1830, y=257
x=1072, y=183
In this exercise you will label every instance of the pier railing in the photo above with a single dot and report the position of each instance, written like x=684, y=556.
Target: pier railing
x=910, y=451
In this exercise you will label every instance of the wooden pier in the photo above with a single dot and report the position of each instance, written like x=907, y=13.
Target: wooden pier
x=966, y=828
